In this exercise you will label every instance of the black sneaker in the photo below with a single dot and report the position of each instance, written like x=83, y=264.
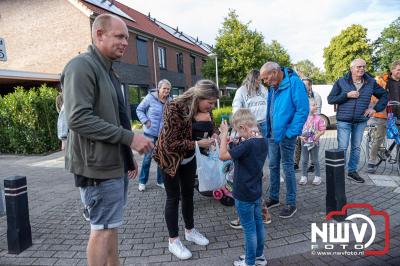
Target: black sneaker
x=355, y=177
x=270, y=203
x=288, y=211
x=371, y=168
x=296, y=166
x=310, y=169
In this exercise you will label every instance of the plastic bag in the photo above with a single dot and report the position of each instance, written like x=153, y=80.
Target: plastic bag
x=209, y=169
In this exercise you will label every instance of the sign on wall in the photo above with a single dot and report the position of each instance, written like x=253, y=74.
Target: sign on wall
x=3, y=53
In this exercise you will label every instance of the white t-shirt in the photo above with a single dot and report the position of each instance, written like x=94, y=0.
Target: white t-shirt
x=256, y=103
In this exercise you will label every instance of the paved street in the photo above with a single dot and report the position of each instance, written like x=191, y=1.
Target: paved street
x=60, y=234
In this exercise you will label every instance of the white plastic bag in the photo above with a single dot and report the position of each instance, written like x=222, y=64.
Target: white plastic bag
x=209, y=169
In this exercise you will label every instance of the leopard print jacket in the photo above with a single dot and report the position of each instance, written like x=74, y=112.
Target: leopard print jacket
x=175, y=139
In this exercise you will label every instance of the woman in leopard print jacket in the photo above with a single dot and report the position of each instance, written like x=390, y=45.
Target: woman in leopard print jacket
x=174, y=153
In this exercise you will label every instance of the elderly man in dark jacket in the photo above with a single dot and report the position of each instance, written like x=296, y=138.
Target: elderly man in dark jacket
x=352, y=94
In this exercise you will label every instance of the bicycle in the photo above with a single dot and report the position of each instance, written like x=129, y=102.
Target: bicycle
x=386, y=150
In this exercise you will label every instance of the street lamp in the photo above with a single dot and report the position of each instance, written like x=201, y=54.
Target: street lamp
x=214, y=55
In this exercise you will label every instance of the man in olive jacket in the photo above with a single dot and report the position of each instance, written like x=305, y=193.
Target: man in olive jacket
x=100, y=138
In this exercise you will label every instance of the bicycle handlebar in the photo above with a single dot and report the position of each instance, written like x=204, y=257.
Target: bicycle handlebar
x=393, y=103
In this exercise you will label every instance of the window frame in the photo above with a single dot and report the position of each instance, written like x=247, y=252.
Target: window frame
x=179, y=62
x=140, y=56
x=193, y=65
x=162, y=57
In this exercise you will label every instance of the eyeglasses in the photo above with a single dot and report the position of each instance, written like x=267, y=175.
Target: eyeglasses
x=363, y=66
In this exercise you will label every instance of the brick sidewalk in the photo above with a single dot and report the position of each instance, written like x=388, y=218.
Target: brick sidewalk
x=60, y=233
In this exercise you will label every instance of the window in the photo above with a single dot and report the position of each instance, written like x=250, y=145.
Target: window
x=193, y=64
x=179, y=62
x=136, y=93
x=176, y=91
x=141, y=45
x=162, y=57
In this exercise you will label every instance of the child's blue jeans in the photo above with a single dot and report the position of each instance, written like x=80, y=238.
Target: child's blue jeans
x=253, y=227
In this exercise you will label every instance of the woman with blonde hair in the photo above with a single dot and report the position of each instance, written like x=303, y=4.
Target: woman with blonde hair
x=253, y=95
x=175, y=155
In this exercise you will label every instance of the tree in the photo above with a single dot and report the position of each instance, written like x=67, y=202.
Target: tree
x=387, y=47
x=276, y=53
x=350, y=44
x=240, y=49
x=306, y=68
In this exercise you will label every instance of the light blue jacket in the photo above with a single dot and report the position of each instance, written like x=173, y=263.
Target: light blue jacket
x=288, y=106
x=151, y=108
x=62, y=128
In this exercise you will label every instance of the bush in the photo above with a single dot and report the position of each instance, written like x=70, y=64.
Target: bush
x=136, y=124
x=28, y=121
x=225, y=101
x=224, y=112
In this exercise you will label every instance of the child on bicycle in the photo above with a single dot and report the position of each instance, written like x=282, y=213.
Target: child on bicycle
x=313, y=129
x=248, y=157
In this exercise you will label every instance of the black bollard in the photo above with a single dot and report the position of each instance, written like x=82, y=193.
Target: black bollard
x=335, y=187
x=19, y=236
x=2, y=210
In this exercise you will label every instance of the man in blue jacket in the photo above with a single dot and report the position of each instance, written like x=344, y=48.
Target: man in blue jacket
x=352, y=94
x=287, y=111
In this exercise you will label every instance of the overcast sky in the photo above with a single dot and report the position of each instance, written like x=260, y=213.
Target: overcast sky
x=304, y=28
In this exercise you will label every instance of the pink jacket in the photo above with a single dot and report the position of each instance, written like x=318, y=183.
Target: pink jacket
x=313, y=125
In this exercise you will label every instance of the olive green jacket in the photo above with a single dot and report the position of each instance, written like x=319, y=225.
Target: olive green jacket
x=91, y=107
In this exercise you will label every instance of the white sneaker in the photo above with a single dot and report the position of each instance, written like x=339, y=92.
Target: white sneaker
x=240, y=263
x=260, y=261
x=282, y=180
x=179, y=250
x=303, y=180
x=196, y=237
x=142, y=187
x=317, y=180
x=161, y=185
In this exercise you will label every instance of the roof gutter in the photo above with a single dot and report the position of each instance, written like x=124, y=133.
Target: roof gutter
x=26, y=75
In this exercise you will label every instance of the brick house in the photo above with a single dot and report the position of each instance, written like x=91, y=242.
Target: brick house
x=41, y=36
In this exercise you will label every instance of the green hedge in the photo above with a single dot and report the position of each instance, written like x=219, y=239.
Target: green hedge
x=225, y=112
x=28, y=121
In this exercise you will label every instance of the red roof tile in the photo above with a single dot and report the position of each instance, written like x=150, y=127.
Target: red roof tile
x=144, y=24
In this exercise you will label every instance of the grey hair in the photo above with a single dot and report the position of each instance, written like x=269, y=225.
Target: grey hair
x=102, y=22
x=204, y=89
x=355, y=60
x=162, y=82
x=395, y=64
x=269, y=66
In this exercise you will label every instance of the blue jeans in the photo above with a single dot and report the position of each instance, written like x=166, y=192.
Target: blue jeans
x=253, y=228
x=354, y=132
x=144, y=172
x=284, y=151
